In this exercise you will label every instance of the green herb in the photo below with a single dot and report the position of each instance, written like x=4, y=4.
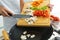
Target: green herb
x=34, y=8
x=38, y=8
x=44, y=8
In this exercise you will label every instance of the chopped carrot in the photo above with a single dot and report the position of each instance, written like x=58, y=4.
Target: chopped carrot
x=37, y=3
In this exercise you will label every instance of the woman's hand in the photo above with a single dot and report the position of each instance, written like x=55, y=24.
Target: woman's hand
x=5, y=12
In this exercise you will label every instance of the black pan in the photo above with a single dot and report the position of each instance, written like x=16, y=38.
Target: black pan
x=42, y=33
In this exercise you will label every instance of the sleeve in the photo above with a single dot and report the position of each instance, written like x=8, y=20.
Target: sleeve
x=0, y=3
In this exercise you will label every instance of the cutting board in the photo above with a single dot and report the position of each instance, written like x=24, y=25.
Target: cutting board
x=41, y=21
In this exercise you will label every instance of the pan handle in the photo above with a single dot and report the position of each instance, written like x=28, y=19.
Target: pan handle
x=5, y=35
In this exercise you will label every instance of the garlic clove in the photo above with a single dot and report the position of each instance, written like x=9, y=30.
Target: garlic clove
x=23, y=37
x=32, y=36
x=25, y=32
x=28, y=35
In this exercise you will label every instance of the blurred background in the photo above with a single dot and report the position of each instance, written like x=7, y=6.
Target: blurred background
x=56, y=8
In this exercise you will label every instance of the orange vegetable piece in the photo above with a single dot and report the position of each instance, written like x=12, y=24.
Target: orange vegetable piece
x=37, y=3
x=45, y=13
x=41, y=13
x=54, y=18
x=38, y=13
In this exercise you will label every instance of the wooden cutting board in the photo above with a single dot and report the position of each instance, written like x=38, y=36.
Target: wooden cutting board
x=41, y=22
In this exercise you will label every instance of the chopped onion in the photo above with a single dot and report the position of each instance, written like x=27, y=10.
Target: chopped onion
x=23, y=37
x=25, y=32
x=32, y=36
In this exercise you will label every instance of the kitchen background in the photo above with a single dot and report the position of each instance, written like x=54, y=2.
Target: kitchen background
x=56, y=7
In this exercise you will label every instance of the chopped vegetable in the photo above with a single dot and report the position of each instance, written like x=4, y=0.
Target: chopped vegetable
x=32, y=36
x=44, y=8
x=33, y=8
x=35, y=3
x=25, y=32
x=46, y=14
x=28, y=35
x=38, y=13
x=23, y=37
x=31, y=20
x=38, y=8
x=54, y=18
x=41, y=13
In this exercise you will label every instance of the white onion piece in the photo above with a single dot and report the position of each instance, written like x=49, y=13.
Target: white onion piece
x=23, y=37
x=29, y=23
x=29, y=13
x=32, y=36
x=28, y=35
x=31, y=20
x=34, y=18
x=25, y=32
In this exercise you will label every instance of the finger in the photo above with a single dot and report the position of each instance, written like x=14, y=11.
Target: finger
x=9, y=12
x=4, y=12
x=1, y=13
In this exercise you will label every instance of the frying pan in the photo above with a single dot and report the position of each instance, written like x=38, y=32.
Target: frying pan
x=42, y=33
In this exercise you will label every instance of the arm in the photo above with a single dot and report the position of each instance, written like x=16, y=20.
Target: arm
x=21, y=4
